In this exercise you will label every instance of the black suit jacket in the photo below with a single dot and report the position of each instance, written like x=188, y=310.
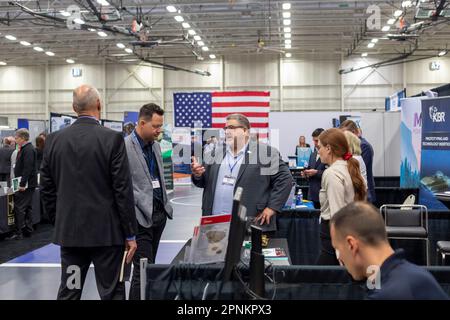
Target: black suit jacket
x=367, y=155
x=315, y=182
x=5, y=160
x=26, y=166
x=86, y=186
x=265, y=182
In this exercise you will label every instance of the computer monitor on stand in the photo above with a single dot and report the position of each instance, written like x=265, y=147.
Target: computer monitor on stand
x=256, y=284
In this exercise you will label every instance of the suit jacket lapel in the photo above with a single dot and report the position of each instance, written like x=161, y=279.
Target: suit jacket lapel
x=138, y=150
x=244, y=163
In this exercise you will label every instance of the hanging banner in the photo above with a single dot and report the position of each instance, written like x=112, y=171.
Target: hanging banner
x=411, y=138
x=435, y=155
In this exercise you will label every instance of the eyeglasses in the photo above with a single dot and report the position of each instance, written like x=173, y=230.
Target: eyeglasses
x=233, y=127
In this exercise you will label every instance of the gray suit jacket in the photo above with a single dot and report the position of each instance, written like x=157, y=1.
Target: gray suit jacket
x=263, y=175
x=142, y=181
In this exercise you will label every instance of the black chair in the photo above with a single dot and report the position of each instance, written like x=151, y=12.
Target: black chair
x=443, y=249
x=407, y=222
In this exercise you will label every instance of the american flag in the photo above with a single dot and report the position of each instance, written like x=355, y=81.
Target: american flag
x=210, y=109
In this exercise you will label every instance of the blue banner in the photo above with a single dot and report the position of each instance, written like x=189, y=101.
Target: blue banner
x=435, y=155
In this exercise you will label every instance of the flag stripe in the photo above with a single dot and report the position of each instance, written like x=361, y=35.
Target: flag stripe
x=240, y=99
x=241, y=94
x=254, y=125
x=247, y=114
x=240, y=104
x=240, y=109
x=252, y=120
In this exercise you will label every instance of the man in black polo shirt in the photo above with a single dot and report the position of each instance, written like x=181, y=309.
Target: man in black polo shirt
x=359, y=237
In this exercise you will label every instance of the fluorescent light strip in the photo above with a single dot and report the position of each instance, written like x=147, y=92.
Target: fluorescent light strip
x=286, y=6
x=171, y=9
x=70, y=61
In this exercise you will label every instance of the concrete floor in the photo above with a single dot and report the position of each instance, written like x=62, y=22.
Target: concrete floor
x=35, y=276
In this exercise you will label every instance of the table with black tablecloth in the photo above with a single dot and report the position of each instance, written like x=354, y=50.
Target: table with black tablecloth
x=301, y=229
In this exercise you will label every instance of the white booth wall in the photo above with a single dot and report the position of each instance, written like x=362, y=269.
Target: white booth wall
x=381, y=129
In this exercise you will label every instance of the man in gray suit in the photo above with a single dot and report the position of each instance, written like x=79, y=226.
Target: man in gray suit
x=256, y=167
x=150, y=196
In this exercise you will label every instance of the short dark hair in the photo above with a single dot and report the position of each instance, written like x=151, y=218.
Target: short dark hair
x=240, y=118
x=148, y=110
x=362, y=220
x=317, y=132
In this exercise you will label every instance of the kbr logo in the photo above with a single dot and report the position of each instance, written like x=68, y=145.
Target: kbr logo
x=436, y=116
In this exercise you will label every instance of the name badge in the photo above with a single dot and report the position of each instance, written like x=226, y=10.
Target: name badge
x=155, y=184
x=229, y=180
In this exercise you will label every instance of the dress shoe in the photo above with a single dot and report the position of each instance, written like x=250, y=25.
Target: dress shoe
x=15, y=237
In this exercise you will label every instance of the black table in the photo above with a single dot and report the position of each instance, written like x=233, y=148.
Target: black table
x=301, y=229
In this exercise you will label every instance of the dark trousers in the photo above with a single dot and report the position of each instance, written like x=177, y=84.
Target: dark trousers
x=23, y=201
x=75, y=264
x=147, y=246
x=327, y=253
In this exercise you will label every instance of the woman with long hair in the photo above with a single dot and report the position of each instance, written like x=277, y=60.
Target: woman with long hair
x=342, y=184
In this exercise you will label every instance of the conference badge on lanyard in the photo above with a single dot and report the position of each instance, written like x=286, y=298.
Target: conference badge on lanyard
x=229, y=180
x=155, y=184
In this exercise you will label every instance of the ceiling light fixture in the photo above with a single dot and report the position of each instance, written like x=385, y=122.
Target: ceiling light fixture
x=286, y=15
x=171, y=9
x=186, y=25
x=25, y=43
x=288, y=55
x=287, y=22
x=192, y=32
x=374, y=40
x=212, y=56
x=49, y=53
x=386, y=28
x=391, y=21
x=442, y=53
x=398, y=13
x=179, y=18
x=200, y=43
x=70, y=61
x=78, y=21
x=102, y=34
x=287, y=46
x=205, y=48
x=2, y=63
x=10, y=37
x=91, y=30
x=287, y=35
x=197, y=38
x=103, y=2
x=286, y=6
x=120, y=45
x=64, y=13
x=371, y=45
x=128, y=50
x=288, y=41
x=38, y=49
x=287, y=29
x=364, y=54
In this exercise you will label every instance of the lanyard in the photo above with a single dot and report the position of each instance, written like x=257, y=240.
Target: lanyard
x=235, y=163
x=149, y=160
